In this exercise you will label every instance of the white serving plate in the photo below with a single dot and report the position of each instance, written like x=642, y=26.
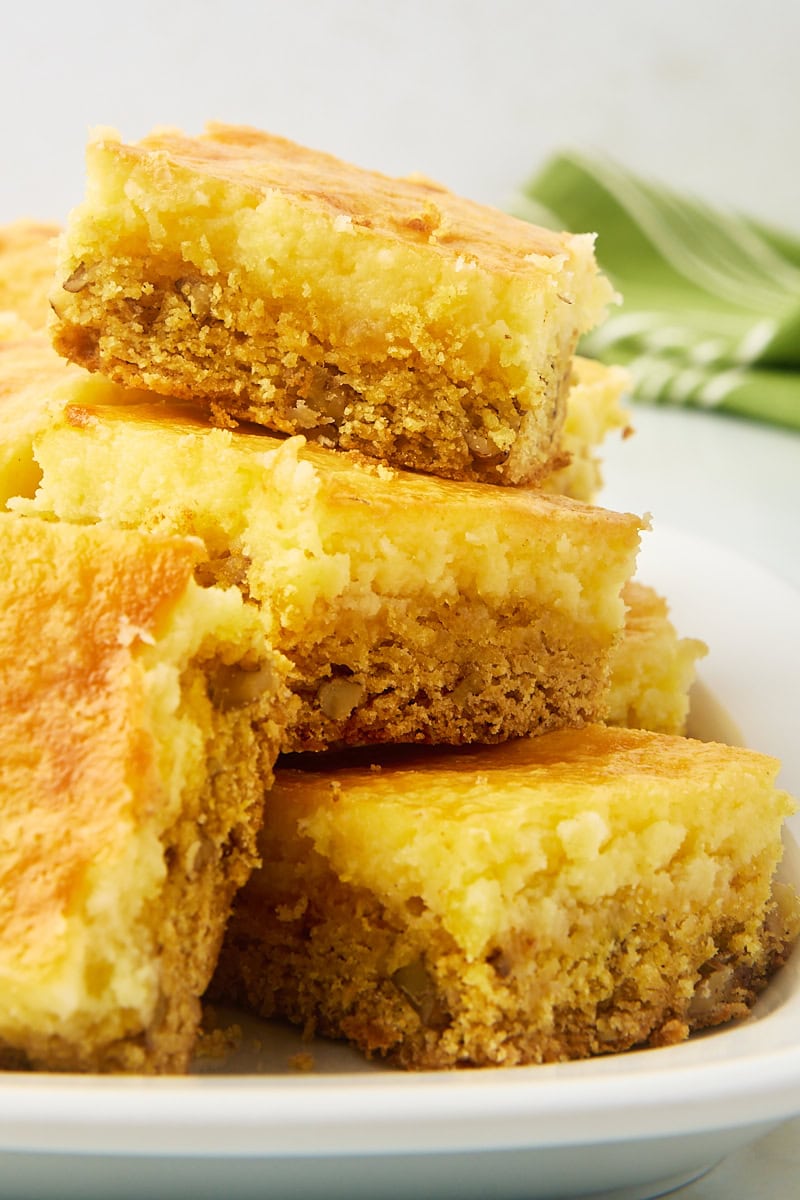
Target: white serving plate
x=623, y=1127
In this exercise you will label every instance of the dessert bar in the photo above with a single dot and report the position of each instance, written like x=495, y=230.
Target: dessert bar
x=579, y=893
x=280, y=285
x=140, y=715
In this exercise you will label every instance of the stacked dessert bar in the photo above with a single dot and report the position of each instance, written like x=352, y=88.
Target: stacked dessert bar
x=305, y=465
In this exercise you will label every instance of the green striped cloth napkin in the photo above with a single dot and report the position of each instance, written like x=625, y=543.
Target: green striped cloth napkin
x=711, y=308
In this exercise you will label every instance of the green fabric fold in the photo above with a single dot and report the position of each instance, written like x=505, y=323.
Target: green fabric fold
x=711, y=300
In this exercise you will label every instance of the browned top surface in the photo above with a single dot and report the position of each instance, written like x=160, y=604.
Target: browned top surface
x=73, y=755
x=348, y=479
x=414, y=208
x=587, y=757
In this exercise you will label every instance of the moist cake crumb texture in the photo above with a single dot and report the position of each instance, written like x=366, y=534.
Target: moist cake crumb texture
x=282, y=286
x=134, y=756
x=652, y=669
x=574, y=894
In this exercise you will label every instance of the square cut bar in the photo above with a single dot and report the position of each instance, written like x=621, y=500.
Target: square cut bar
x=285, y=287
x=411, y=608
x=140, y=716
x=548, y=899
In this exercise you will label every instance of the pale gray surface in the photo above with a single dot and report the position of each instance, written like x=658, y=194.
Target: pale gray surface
x=473, y=92
x=729, y=480
x=767, y=1170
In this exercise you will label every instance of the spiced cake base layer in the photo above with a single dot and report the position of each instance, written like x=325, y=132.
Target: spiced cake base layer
x=575, y=894
x=411, y=608
x=140, y=716
x=282, y=286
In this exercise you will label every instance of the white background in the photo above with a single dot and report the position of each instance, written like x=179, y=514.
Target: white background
x=703, y=93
